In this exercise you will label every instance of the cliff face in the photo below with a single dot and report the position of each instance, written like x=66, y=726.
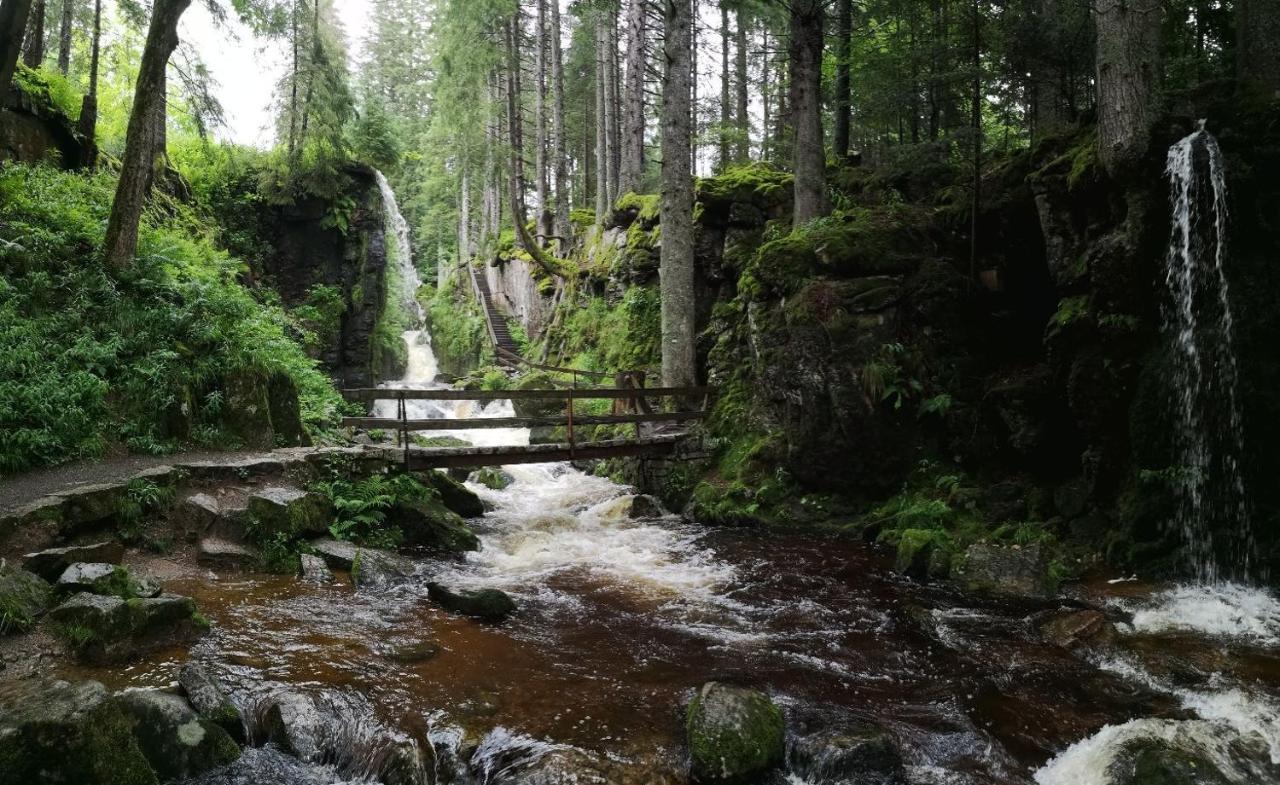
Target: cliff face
x=32, y=131
x=306, y=257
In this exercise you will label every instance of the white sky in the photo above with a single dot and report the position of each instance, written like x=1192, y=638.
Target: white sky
x=247, y=67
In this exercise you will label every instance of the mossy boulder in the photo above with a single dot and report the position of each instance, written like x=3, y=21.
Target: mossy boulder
x=493, y=478
x=291, y=512
x=490, y=605
x=456, y=496
x=24, y=597
x=109, y=579
x=735, y=734
x=177, y=742
x=49, y=564
x=54, y=733
x=428, y=523
x=1007, y=571
x=104, y=628
x=924, y=553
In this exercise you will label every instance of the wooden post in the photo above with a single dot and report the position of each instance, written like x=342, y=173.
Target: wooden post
x=404, y=428
x=569, y=414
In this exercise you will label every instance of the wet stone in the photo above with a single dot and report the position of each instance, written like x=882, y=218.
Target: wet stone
x=107, y=579
x=409, y=653
x=863, y=754
x=735, y=734
x=490, y=605
x=293, y=722
x=290, y=511
x=645, y=507
x=1075, y=628
x=226, y=555
x=314, y=570
x=209, y=701
x=175, y=740
x=51, y=563
x=1008, y=571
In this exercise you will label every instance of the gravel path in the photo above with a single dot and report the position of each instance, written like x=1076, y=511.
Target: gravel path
x=21, y=489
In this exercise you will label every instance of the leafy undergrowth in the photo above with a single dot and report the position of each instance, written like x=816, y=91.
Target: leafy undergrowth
x=458, y=333
x=141, y=357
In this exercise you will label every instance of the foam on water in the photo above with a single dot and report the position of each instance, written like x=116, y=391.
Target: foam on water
x=1224, y=610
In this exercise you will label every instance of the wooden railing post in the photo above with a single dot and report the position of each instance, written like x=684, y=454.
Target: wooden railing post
x=569, y=413
x=404, y=427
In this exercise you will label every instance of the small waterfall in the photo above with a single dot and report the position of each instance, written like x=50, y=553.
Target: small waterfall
x=1213, y=512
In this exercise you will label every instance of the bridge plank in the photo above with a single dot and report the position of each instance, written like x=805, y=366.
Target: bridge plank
x=391, y=394
x=441, y=424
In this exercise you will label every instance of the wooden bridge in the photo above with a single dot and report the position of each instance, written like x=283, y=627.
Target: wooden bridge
x=626, y=400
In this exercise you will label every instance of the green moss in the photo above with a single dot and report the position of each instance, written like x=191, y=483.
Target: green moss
x=758, y=183
x=459, y=336
x=647, y=206
x=23, y=597
x=740, y=751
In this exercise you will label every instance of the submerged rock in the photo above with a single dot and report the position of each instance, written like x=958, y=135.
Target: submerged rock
x=408, y=653
x=1157, y=762
x=314, y=570
x=735, y=734
x=175, y=740
x=492, y=605
x=1009, y=571
x=863, y=754
x=51, y=563
x=1074, y=628
x=56, y=732
x=24, y=596
x=645, y=507
x=209, y=701
x=289, y=511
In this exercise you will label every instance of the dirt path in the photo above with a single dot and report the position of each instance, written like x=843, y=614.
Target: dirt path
x=22, y=489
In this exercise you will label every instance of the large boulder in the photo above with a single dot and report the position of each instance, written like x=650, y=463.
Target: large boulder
x=1007, y=571
x=176, y=741
x=106, y=628
x=56, y=733
x=209, y=701
x=735, y=734
x=493, y=478
x=294, y=722
x=429, y=524
x=226, y=555
x=491, y=605
x=862, y=754
x=24, y=596
x=291, y=512
x=314, y=570
x=49, y=564
x=205, y=515
x=369, y=567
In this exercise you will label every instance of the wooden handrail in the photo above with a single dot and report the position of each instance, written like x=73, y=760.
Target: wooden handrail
x=628, y=393
x=443, y=424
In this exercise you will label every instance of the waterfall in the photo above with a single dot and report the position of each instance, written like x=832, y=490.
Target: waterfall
x=1212, y=511
x=400, y=252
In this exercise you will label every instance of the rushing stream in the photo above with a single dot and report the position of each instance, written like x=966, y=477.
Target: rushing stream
x=621, y=619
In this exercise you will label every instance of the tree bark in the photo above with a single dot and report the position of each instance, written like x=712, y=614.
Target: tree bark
x=64, y=36
x=13, y=28
x=515, y=131
x=563, y=229
x=88, y=126
x=602, y=124
x=631, y=170
x=766, y=117
x=33, y=54
x=1128, y=77
x=464, y=221
x=810, y=163
x=139, y=152
x=1258, y=42
x=676, y=262
x=545, y=229
x=844, y=32
x=613, y=151
x=743, y=116
x=726, y=116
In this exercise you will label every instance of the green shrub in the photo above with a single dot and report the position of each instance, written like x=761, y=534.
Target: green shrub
x=139, y=357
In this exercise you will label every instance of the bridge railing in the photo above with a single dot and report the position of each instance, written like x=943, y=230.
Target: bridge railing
x=631, y=406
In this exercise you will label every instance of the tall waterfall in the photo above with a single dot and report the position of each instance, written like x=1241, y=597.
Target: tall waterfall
x=400, y=251
x=1213, y=511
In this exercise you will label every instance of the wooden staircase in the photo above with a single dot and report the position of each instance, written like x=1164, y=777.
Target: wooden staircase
x=495, y=321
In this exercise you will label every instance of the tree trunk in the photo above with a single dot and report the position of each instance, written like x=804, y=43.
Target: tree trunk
x=844, y=32
x=464, y=222
x=88, y=126
x=766, y=117
x=743, y=115
x=1128, y=77
x=563, y=230
x=33, y=54
x=139, y=150
x=13, y=27
x=311, y=78
x=602, y=124
x=293, y=82
x=615, y=107
x=1259, y=42
x=515, y=131
x=631, y=170
x=810, y=162
x=1050, y=113
x=975, y=127
x=64, y=36
x=676, y=263
x=545, y=228
x=726, y=89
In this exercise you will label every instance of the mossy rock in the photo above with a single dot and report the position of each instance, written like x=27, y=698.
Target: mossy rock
x=440, y=441
x=490, y=605
x=493, y=478
x=428, y=523
x=1157, y=762
x=290, y=512
x=108, y=579
x=735, y=734
x=103, y=628
x=56, y=732
x=924, y=553
x=24, y=597
x=455, y=496
x=175, y=740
